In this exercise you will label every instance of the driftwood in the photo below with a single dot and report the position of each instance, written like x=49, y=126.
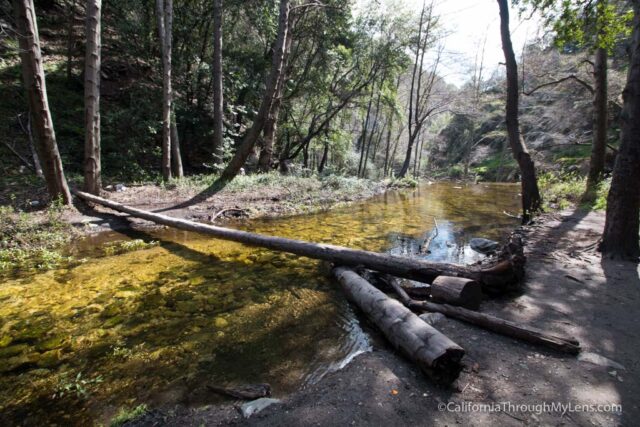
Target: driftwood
x=248, y=392
x=491, y=323
x=435, y=354
x=445, y=289
x=504, y=275
x=456, y=291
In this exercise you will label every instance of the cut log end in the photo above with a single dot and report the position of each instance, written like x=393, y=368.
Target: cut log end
x=457, y=291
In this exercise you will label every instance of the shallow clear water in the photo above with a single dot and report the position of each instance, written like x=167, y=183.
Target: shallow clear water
x=156, y=325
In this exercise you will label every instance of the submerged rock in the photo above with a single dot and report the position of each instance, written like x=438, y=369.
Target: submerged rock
x=483, y=246
x=255, y=406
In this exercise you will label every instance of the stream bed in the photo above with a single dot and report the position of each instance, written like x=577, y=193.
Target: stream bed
x=156, y=325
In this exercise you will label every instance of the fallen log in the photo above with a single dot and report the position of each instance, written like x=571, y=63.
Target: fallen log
x=436, y=355
x=444, y=289
x=247, y=392
x=419, y=270
x=491, y=323
x=457, y=291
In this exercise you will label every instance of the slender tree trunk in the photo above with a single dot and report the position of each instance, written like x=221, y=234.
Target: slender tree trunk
x=35, y=86
x=363, y=139
x=71, y=38
x=176, y=155
x=217, y=83
x=32, y=148
x=599, y=147
x=92, y=165
x=325, y=154
x=531, y=200
x=271, y=126
x=620, y=238
x=165, y=24
x=388, y=147
x=277, y=68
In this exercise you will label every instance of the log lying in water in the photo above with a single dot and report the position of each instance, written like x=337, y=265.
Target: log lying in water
x=419, y=270
x=435, y=354
x=492, y=323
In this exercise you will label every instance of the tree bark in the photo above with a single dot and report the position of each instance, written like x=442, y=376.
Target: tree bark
x=531, y=200
x=436, y=355
x=599, y=146
x=496, y=278
x=176, y=154
x=35, y=86
x=325, y=155
x=620, y=237
x=92, y=164
x=165, y=24
x=277, y=68
x=218, y=99
x=457, y=291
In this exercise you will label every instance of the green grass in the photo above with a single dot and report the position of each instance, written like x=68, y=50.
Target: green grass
x=496, y=167
x=572, y=155
x=35, y=243
x=126, y=415
x=562, y=191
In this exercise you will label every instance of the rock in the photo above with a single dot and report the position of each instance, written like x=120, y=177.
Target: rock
x=255, y=406
x=599, y=360
x=220, y=322
x=51, y=343
x=432, y=318
x=120, y=188
x=5, y=340
x=13, y=350
x=483, y=246
x=49, y=359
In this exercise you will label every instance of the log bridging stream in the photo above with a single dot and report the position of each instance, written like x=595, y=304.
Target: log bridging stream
x=497, y=276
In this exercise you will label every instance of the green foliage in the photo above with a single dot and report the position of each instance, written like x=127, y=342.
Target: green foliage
x=77, y=386
x=586, y=24
x=406, y=182
x=126, y=415
x=561, y=191
x=125, y=246
x=28, y=242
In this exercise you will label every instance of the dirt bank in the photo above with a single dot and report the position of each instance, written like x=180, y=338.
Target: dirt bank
x=568, y=289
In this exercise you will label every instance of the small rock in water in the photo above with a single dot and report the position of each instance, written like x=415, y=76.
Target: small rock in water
x=255, y=406
x=432, y=318
x=599, y=360
x=484, y=246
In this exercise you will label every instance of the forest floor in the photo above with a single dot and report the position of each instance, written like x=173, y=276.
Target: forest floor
x=568, y=289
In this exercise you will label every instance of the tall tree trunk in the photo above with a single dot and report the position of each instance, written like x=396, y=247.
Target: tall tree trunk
x=165, y=24
x=34, y=83
x=32, y=148
x=217, y=82
x=271, y=126
x=388, y=147
x=176, y=155
x=531, y=200
x=363, y=139
x=277, y=68
x=92, y=62
x=71, y=38
x=407, y=158
x=599, y=147
x=620, y=237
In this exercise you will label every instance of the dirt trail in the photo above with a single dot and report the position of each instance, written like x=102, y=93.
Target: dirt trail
x=568, y=289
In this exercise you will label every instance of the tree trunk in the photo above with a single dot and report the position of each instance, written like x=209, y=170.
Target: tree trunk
x=407, y=158
x=217, y=83
x=277, y=68
x=325, y=154
x=165, y=23
x=35, y=86
x=599, y=147
x=388, y=147
x=32, y=148
x=271, y=126
x=531, y=200
x=92, y=165
x=504, y=275
x=363, y=139
x=457, y=291
x=176, y=155
x=71, y=38
x=620, y=237
x=436, y=355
